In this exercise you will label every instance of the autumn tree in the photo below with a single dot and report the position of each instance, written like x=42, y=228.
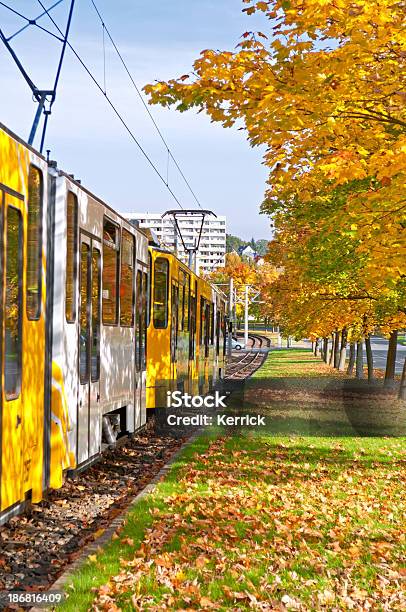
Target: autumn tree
x=323, y=88
x=259, y=278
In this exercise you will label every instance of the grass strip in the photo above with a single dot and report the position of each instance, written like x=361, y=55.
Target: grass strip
x=81, y=586
x=258, y=519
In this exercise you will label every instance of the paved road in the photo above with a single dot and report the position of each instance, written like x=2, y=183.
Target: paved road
x=379, y=350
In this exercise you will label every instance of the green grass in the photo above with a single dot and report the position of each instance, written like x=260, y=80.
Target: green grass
x=259, y=517
x=279, y=364
x=402, y=339
x=279, y=515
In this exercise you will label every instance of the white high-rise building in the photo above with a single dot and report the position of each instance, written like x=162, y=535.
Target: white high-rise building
x=212, y=247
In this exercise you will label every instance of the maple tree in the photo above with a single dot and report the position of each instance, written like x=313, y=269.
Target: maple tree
x=324, y=91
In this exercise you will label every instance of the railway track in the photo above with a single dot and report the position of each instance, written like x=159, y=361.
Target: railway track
x=242, y=366
x=35, y=548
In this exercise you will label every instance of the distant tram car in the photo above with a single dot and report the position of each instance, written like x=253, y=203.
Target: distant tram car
x=186, y=333
x=94, y=326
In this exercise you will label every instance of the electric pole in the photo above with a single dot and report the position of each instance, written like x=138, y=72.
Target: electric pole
x=247, y=287
x=230, y=318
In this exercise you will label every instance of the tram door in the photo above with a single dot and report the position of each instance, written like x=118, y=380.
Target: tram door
x=141, y=324
x=11, y=346
x=89, y=418
x=174, y=327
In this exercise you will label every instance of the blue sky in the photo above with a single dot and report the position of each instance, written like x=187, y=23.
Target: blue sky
x=158, y=40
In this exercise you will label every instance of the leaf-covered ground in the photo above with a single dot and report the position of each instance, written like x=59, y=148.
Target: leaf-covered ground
x=260, y=520
x=301, y=395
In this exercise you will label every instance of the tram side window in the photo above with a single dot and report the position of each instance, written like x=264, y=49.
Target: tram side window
x=96, y=282
x=161, y=275
x=13, y=311
x=218, y=327
x=149, y=289
x=175, y=317
x=202, y=320
x=192, y=327
x=181, y=305
x=204, y=324
x=34, y=243
x=224, y=335
x=127, y=279
x=71, y=249
x=207, y=330
x=186, y=304
x=145, y=321
x=84, y=342
x=111, y=258
x=211, y=335
x=138, y=321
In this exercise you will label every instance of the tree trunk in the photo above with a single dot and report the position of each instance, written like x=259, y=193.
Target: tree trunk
x=316, y=347
x=312, y=347
x=391, y=359
x=402, y=390
x=351, y=360
x=325, y=350
x=343, y=350
x=336, y=349
x=359, y=370
x=370, y=358
x=331, y=360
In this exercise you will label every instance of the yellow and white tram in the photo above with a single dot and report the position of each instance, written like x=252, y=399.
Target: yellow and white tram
x=94, y=326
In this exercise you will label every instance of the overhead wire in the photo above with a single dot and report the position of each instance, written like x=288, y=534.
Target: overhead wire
x=31, y=21
x=104, y=58
x=170, y=154
x=116, y=111
x=58, y=73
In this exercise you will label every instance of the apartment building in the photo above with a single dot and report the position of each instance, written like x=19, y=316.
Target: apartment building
x=212, y=247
